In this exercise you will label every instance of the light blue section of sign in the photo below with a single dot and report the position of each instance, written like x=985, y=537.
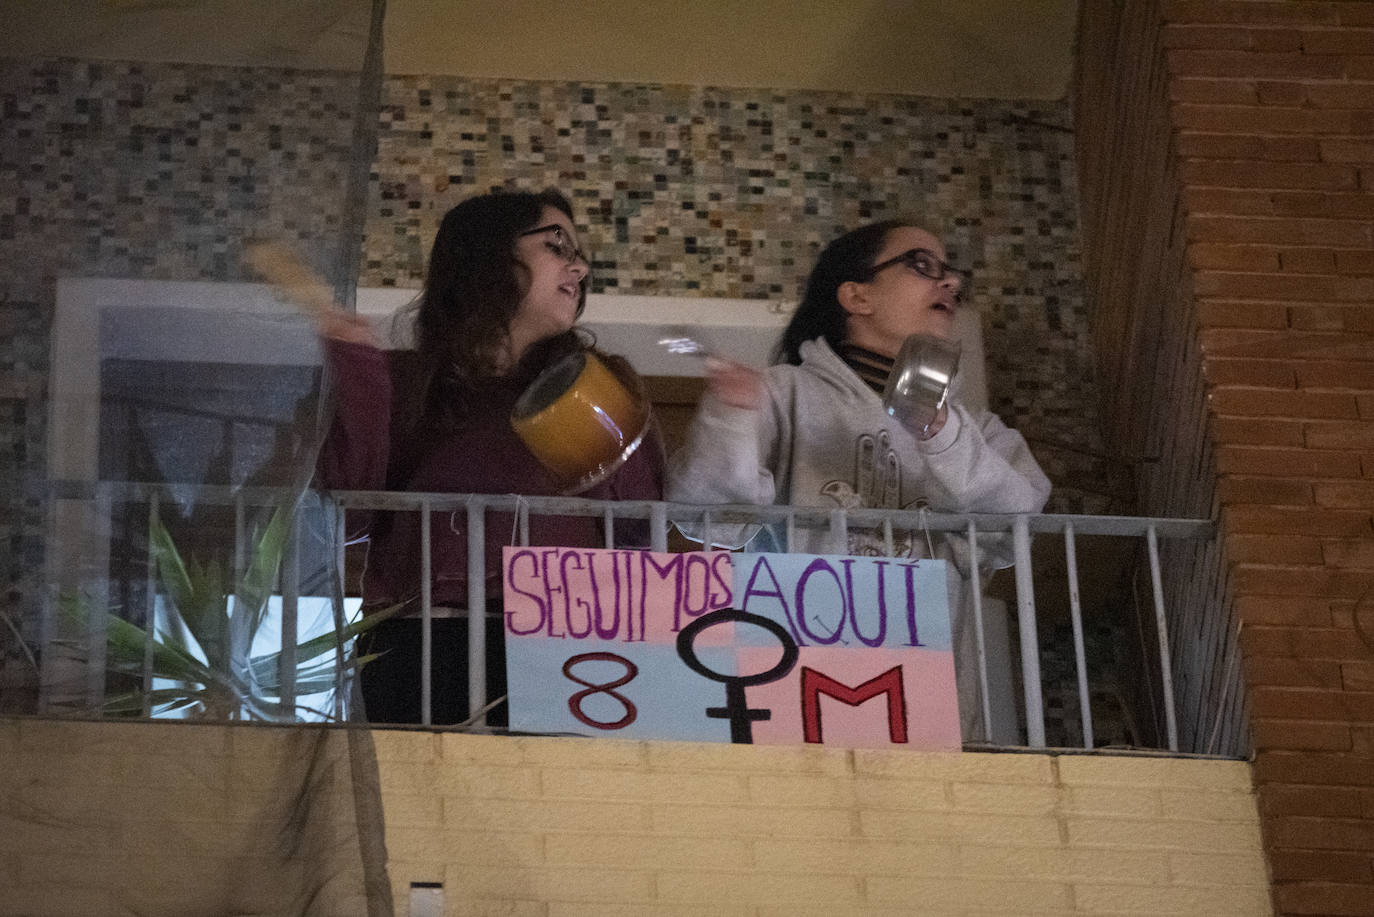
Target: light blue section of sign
x=835, y=600
x=670, y=699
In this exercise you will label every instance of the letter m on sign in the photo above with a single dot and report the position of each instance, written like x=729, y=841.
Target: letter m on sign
x=814, y=684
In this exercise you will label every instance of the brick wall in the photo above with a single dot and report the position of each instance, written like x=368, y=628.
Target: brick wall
x=1154, y=399
x=1269, y=136
x=154, y=818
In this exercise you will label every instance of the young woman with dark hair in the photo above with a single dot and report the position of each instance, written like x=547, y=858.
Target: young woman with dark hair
x=819, y=314
x=505, y=284
x=812, y=430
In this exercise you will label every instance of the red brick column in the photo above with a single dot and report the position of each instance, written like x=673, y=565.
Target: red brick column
x=1270, y=177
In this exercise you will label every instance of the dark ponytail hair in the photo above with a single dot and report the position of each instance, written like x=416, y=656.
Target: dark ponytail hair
x=820, y=315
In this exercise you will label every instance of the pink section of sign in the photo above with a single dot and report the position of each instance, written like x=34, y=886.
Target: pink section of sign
x=682, y=588
x=928, y=712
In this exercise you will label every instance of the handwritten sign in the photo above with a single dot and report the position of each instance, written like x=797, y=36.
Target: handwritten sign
x=711, y=646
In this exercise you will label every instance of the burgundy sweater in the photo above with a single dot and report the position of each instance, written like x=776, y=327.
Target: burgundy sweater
x=483, y=455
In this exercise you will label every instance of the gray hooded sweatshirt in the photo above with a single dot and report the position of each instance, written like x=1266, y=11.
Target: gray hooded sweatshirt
x=823, y=439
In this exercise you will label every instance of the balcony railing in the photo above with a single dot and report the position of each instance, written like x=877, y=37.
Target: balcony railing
x=83, y=514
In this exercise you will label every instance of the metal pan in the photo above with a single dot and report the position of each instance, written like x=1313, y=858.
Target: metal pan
x=918, y=385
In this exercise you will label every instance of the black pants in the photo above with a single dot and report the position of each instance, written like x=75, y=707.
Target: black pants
x=391, y=683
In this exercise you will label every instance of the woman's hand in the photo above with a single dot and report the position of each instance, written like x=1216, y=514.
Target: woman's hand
x=298, y=283
x=338, y=325
x=936, y=425
x=734, y=383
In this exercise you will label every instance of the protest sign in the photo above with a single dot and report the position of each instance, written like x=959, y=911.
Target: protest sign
x=713, y=646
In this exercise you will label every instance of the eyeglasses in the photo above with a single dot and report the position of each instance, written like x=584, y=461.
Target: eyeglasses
x=923, y=262
x=560, y=245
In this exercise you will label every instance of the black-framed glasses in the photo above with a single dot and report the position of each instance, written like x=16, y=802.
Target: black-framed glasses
x=924, y=262
x=560, y=244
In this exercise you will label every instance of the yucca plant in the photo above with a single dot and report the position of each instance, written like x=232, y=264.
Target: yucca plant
x=202, y=661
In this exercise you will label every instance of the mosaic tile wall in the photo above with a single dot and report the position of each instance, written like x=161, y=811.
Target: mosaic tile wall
x=162, y=171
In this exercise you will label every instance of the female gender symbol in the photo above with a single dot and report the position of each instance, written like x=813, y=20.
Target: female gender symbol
x=736, y=708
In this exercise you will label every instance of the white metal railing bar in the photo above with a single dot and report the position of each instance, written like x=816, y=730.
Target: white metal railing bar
x=977, y=596
x=47, y=624
x=1079, y=654
x=340, y=586
x=658, y=526
x=240, y=537
x=95, y=674
x=240, y=568
x=477, y=608
x=1165, y=661
x=290, y=624
x=837, y=521
x=1030, y=637
x=150, y=610
x=426, y=615
x=1197, y=529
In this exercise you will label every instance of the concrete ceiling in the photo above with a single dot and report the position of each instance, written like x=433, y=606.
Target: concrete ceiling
x=1019, y=49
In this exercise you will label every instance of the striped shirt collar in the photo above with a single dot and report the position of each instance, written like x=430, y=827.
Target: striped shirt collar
x=872, y=368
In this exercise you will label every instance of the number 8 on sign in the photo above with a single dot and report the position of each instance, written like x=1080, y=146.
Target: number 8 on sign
x=607, y=688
